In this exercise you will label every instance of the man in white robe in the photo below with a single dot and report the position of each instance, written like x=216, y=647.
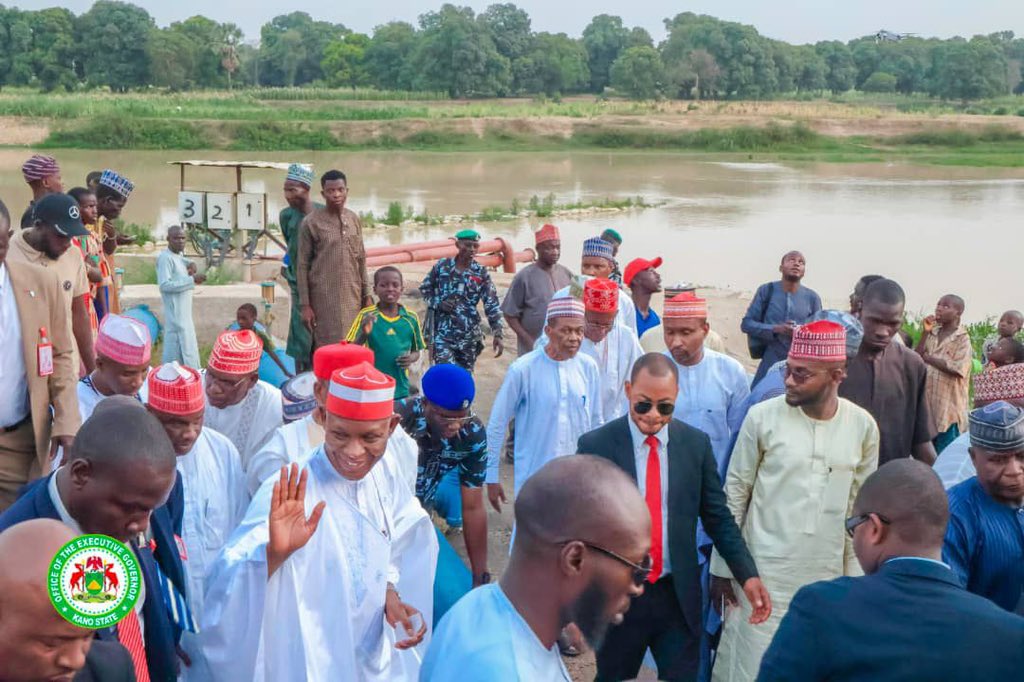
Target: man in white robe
x=553, y=393
x=238, y=404
x=797, y=466
x=296, y=441
x=213, y=487
x=310, y=591
x=123, y=350
x=177, y=278
x=712, y=385
x=610, y=343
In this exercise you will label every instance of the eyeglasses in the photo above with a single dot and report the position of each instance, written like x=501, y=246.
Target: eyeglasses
x=854, y=521
x=664, y=409
x=457, y=420
x=800, y=375
x=640, y=571
x=223, y=385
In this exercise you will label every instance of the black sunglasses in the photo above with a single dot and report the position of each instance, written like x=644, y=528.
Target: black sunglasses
x=854, y=521
x=640, y=571
x=644, y=406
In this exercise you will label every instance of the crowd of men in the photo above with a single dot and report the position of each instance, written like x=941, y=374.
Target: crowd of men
x=845, y=513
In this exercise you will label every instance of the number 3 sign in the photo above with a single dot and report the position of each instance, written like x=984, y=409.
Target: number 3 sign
x=191, y=207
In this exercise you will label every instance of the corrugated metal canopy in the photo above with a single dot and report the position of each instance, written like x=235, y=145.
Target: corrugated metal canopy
x=273, y=165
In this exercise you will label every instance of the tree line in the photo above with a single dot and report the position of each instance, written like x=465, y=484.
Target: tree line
x=494, y=53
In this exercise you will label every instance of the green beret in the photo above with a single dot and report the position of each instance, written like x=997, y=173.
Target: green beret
x=613, y=234
x=472, y=235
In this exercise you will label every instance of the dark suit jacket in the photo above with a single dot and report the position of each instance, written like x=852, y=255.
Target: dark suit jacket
x=106, y=662
x=162, y=635
x=694, y=490
x=909, y=621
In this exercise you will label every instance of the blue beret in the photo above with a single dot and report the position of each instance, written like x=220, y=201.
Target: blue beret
x=450, y=387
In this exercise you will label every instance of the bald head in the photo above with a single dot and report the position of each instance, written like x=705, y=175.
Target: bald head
x=580, y=497
x=35, y=642
x=121, y=468
x=910, y=496
x=121, y=431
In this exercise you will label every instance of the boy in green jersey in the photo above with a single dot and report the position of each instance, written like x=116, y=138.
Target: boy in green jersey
x=389, y=330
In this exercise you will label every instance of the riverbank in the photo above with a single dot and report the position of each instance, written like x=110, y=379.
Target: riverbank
x=831, y=131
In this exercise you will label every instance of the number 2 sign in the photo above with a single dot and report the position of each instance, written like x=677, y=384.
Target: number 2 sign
x=191, y=207
x=220, y=211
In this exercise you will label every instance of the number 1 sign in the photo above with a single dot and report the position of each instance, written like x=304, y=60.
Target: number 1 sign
x=191, y=207
x=250, y=212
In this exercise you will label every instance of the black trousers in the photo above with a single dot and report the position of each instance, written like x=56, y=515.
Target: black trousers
x=653, y=621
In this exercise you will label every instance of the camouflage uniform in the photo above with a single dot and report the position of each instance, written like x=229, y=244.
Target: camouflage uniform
x=457, y=337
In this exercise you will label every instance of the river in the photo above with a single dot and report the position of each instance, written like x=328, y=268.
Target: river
x=934, y=229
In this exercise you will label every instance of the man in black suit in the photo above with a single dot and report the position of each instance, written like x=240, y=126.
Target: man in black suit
x=908, y=618
x=675, y=469
x=117, y=479
x=36, y=643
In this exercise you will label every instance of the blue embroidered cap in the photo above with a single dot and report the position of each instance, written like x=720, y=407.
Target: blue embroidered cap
x=998, y=427
x=117, y=182
x=301, y=173
x=595, y=246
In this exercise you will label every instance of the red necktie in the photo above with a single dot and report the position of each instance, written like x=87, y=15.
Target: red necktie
x=652, y=489
x=130, y=635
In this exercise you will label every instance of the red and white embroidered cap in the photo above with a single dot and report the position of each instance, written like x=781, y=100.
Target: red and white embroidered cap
x=176, y=389
x=362, y=393
x=123, y=340
x=236, y=352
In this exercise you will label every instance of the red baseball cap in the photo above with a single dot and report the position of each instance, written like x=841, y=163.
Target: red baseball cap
x=638, y=265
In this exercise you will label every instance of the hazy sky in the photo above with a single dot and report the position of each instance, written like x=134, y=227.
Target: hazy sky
x=796, y=21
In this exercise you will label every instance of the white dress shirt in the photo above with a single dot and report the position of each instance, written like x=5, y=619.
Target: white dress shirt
x=640, y=452
x=13, y=377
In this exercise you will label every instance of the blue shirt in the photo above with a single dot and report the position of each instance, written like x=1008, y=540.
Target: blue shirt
x=483, y=638
x=650, y=322
x=985, y=545
x=771, y=306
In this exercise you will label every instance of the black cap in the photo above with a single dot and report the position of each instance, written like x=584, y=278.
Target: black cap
x=60, y=211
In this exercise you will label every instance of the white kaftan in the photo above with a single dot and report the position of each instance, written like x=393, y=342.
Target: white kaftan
x=295, y=442
x=484, y=638
x=791, y=485
x=215, y=502
x=176, y=287
x=711, y=397
x=320, y=617
x=954, y=464
x=614, y=355
x=250, y=423
x=553, y=403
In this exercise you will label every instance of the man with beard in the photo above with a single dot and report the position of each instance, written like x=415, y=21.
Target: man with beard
x=674, y=466
x=310, y=591
x=777, y=309
x=215, y=497
x=984, y=543
x=238, y=404
x=533, y=287
x=296, y=192
x=797, y=465
x=553, y=393
x=57, y=220
x=577, y=558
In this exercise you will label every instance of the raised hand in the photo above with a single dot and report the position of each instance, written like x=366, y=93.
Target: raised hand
x=289, y=528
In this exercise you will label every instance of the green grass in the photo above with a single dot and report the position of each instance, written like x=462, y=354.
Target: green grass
x=122, y=132
x=224, y=274
x=138, y=271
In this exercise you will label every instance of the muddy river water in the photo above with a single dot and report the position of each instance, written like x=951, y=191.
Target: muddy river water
x=935, y=229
